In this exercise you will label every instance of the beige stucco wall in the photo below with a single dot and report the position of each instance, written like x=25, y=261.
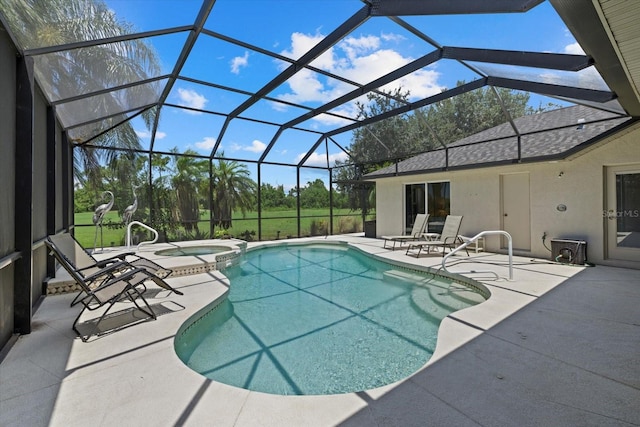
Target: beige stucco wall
x=476, y=195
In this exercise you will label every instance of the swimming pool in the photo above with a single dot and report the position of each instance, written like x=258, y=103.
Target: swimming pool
x=320, y=319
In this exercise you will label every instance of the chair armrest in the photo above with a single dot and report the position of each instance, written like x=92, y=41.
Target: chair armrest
x=107, y=270
x=116, y=258
x=124, y=277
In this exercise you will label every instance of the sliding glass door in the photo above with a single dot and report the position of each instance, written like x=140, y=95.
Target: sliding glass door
x=414, y=204
x=438, y=205
x=623, y=212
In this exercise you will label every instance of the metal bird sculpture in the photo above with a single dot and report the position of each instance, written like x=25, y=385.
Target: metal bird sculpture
x=128, y=212
x=98, y=216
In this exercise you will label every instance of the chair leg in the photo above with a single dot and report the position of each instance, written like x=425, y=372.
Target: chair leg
x=76, y=299
x=126, y=293
x=466, y=248
x=133, y=299
x=75, y=322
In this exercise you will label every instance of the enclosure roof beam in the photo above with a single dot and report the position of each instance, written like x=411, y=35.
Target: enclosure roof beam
x=271, y=143
x=119, y=113
x=311, y=150
x=109, y=89
x=554, y=61
x=334, y=37
x=388, y=78
x=449, y=7
x=340, y=147
x=126, y=119
x=476, y=84
x=106, y=40
x=553, y=90
x=203, y=14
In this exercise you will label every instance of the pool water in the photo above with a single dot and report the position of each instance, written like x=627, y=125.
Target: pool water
x=320, y=319
x=193, y=250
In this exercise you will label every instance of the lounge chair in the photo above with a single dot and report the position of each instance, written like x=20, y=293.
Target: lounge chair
x=105, y=287
x=93, y=270
x=419, y=225
x=448, y=237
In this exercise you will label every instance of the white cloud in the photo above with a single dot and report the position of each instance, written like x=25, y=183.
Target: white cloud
x=354, y=47
x=391, y=37
x=301, y=43
x=321, y=159
x=306, y=87
x=207, y=143
x=360, y=59
x=574, y=49
x=255, y=147
x=239, y=62
x=145, y=134
x=192, y=99
x=347, y=110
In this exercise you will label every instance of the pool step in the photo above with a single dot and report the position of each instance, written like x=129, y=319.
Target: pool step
x=405, y=277
x=436, y=296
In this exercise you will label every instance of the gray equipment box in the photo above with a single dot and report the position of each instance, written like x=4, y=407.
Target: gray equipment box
x=569, y=251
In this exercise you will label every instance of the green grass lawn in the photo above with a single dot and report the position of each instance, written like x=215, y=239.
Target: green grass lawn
x=282, y=221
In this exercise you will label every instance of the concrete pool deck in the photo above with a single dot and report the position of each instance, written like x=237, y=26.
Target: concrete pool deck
x=558, y=345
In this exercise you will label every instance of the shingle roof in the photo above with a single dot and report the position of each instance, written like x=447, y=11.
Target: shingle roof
x=545, y=135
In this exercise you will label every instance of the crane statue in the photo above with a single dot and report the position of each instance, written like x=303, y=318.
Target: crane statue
x=128, y=212
x=98, y=216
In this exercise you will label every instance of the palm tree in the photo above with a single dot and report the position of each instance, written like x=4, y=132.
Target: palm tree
x=190, y=172
x=39, y=23
x=163, y=198
x=233, y=189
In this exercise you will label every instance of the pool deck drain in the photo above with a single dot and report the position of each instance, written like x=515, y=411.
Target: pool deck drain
x=556, y=346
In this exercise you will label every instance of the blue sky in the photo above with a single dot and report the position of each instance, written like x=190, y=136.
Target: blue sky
x=290, y=28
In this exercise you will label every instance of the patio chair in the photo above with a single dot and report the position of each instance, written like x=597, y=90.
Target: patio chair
x=448, y=237
x=105, y=287
x=93, y=270
x=419, y=225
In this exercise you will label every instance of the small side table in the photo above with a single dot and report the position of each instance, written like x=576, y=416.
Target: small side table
x=478, y=245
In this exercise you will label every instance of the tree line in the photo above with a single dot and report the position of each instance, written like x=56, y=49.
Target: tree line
x=181, y=193
x=381, y=143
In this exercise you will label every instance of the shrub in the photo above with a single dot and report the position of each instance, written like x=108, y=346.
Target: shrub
x=319, y=228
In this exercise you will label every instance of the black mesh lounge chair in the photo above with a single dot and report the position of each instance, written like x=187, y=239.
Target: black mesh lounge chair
x=93, y=271
x=448, y=238
x=106, y=286
x=419, y=225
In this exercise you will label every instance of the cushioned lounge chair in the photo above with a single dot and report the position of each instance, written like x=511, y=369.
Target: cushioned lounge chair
x=448, y=237
x=419, y=225
x=105, y=287
x=93, y=270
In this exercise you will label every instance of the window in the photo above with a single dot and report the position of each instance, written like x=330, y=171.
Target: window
x=438, y=205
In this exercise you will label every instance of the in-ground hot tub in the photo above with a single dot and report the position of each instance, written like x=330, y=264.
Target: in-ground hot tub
x=195, y=256
x=194, y=250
